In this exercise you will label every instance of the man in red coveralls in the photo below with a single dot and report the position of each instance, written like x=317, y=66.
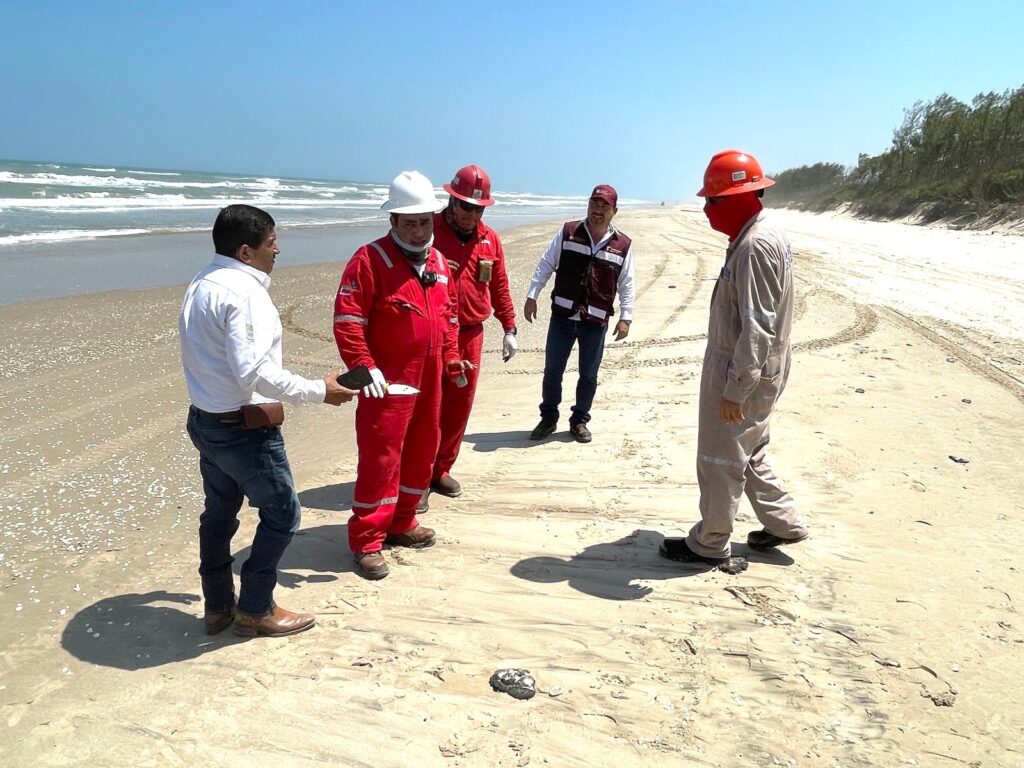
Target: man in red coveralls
x=395, y=314
x=477, y=263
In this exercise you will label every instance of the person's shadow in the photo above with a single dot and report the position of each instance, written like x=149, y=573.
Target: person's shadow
x=135, y=631
x=488, y=442
x=322, y=550
x=608, y=570
x=334, y=498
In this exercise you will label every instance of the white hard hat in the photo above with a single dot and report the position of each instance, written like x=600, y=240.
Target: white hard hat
x=412, y=192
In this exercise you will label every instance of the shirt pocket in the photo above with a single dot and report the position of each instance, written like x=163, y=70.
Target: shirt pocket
x=403, y=320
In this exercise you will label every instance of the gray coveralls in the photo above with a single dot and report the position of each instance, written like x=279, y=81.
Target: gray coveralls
x=747, y=361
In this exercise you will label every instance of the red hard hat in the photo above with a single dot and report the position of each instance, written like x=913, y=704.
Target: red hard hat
x=471, y=184
x=732, y=172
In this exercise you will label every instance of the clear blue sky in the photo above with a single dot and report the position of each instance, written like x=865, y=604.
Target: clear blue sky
x=547, y=96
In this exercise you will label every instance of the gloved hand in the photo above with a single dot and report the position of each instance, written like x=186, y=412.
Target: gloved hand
x=378, y=387
x=509, y=346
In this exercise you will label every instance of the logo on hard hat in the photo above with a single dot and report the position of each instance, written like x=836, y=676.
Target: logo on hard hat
x=739, y=175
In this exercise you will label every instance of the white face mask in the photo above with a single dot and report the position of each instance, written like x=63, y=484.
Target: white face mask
x=422, y=250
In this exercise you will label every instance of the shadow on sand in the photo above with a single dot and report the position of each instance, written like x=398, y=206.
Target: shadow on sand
x=608, y=570
x=486, y=442
x=139, y=631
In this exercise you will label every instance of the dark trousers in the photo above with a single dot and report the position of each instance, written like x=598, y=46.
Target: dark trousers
x=562, y=335
x=237, y=463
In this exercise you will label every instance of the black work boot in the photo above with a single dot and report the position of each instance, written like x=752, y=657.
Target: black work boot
x=544, y=428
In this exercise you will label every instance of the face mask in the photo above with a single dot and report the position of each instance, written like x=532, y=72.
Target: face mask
x=416, y=253
x=731, y=213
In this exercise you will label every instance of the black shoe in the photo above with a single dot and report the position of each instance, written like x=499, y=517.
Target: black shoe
x=675, y=548
x=580, y=433
x=544, y=428
x=762, y=540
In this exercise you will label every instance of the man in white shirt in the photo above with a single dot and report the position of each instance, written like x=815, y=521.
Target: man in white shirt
x=231, y=354
x=591, y=261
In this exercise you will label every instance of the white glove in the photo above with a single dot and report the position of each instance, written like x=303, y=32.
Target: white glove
x=509, y=346
x=377, y=388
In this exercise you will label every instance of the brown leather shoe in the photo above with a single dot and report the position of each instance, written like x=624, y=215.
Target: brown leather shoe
x=277, y=623
x=416, y=538
x=424, y=503
x=217, y=621
x=372, y=565
x=447, y=485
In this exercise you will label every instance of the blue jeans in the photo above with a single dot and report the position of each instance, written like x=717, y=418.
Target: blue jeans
x=236, y=462
x=562, y=334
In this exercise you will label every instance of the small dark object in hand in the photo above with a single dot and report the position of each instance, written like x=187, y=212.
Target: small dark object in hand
x=517, y=683
x=357, y=378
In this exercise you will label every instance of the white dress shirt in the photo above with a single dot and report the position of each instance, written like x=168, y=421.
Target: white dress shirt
x=625, y=287
x=231, y=342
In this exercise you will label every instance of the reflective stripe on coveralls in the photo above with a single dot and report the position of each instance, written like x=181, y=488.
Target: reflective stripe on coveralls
x=747, y=361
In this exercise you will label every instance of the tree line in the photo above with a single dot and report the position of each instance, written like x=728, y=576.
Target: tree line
x=954, y=158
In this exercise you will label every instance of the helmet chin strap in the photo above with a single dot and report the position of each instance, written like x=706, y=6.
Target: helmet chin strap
x=413, y=252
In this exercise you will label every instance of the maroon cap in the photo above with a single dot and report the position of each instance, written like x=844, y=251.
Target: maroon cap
x=607, y=193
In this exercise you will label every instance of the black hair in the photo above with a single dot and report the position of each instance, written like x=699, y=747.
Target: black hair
x=239, y=225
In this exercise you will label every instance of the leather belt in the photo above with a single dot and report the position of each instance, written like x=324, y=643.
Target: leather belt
x=228, y=417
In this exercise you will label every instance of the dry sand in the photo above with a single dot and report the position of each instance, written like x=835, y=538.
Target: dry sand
x=893, y=637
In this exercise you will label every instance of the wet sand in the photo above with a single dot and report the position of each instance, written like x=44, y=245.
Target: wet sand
x=892, y=635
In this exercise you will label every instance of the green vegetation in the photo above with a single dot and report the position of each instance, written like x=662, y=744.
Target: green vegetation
x=947, y=159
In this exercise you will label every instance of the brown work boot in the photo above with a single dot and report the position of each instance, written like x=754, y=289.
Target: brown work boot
x=424, y=503
x=447, y=485
x=580, y=433
x=372, y=565
x=278, y=622
x=415, y=538
x=217, y=621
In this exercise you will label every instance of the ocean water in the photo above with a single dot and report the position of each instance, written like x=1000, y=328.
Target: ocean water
x=70, y=229
x=58, y=202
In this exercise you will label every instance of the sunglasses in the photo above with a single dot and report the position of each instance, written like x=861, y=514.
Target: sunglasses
x=710, y=201
x=469, y=207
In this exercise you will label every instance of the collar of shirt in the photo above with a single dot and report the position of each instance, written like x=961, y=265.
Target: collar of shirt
x=229, y=263
x=607, y=236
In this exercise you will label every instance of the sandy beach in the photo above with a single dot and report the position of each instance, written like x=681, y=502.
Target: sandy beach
x=892, y=637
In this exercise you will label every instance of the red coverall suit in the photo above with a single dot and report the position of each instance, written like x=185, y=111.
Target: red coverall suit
x=475, y=299
x=386, y=318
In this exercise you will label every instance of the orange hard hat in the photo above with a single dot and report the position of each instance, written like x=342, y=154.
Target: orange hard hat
x=732, y=172
x=472, y=185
